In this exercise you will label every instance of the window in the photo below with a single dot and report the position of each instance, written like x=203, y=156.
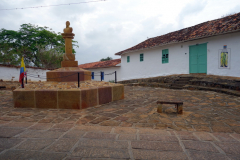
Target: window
x=165, y=56
x=141, y=57
x=128, y=59
x=102, y=75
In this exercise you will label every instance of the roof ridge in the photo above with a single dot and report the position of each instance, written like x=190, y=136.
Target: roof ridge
x=100, y=64
x=193, y=32
x=101, y=61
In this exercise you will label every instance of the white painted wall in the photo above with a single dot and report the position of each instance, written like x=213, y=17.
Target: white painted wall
x=108, y=70
x=12, y=73
x=152, y=65
x=179, y=59
x=215, y=43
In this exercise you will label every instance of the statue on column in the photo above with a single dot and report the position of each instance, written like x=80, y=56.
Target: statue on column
x=68, y=36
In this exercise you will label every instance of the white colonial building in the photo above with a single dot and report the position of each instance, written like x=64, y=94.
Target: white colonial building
x=211, y=48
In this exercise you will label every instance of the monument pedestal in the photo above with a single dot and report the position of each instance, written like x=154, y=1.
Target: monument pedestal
x=69, y=64
x=67, y=95
x=68, y=74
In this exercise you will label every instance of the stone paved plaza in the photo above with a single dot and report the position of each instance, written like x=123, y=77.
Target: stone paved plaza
x=209, y=128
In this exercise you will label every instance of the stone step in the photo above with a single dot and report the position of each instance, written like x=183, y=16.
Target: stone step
x=178, y=85
x=132, y=84
x=199, y=82
x=181, y=82
x=232, y=86
x=189, y=87
x=221, y=90
x=162, y=85
x=154, y=84
x=187, y=78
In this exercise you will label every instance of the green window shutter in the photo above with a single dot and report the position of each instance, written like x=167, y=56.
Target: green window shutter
x=128, y=59
x=165, y=56
x=141, y=57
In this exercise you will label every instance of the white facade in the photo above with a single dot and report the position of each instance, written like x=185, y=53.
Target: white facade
x=179, y=59
x=12, y=73
x=108, y=70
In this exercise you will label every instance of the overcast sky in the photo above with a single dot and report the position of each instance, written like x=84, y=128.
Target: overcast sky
x=107, y=27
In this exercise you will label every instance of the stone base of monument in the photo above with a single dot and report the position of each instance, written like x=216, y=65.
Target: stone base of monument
x=68, y=74
x=67, y=95
x=69, y=64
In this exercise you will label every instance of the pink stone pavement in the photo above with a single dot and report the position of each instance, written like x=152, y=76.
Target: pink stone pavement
x=125, y=129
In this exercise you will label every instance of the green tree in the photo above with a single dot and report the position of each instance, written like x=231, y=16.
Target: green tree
x=50, y=58
x=31, y=41
x=106, y=59
x=8, y=56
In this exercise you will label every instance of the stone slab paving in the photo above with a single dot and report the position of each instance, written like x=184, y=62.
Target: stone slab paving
x=106, y=142
x=125, y=129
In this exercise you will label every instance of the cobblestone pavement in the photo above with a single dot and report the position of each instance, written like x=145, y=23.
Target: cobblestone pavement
x=209, y=128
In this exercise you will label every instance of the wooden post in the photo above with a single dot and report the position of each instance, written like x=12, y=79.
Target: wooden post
x=26, y=77
x=22, y=82
x=180, y=108
x=159, y=109
x=78, y=79
x=115, y=76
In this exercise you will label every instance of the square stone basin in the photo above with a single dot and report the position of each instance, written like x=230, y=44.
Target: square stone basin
x=67, y=95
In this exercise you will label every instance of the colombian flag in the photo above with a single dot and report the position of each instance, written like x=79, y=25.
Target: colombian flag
x=22, y=70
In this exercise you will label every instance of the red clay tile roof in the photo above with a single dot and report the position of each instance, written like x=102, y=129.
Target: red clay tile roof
x=207, y=29
x=100, y=64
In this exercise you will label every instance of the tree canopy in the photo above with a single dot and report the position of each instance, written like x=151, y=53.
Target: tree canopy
x=39, y=46
x=106, y=59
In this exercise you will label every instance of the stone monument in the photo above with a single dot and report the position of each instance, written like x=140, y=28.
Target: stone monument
x=62, y=89
x=68, y=66
x=68, y=56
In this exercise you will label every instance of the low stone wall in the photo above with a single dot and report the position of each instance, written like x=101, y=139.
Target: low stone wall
x=231, y=83
x=11, y=85
x=162, y=79
x=217, y=82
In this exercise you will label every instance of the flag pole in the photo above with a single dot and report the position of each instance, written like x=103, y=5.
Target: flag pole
x=22, y=83
x=26, y=77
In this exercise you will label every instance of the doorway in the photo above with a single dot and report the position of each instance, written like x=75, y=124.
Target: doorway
x=198, y=58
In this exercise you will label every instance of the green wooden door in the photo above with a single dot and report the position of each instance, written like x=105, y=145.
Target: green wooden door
x=198, y=58
x=193, y=63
